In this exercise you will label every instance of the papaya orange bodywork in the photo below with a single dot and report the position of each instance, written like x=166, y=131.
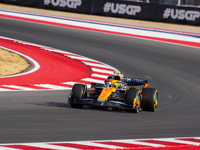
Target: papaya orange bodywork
x=106, y=92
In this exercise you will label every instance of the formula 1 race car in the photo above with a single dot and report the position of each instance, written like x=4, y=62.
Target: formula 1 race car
x=124, y=93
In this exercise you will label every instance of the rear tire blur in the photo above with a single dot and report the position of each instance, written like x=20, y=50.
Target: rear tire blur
x=149, y=99
x=131, y=94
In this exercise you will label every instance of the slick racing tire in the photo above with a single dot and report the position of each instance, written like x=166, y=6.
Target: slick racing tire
x=149, y=99
x=78, y=92
x=131, y=95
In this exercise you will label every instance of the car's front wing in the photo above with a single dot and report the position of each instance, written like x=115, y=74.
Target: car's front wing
x=109, y=103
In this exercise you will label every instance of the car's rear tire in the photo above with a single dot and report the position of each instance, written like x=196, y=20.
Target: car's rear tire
x=131, y=95
x=149, y=99
x=78, y=92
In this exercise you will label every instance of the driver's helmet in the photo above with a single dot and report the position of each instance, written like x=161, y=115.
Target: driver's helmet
x=117, y=85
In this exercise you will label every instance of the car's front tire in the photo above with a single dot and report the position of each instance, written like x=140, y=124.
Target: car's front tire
x=78, y=92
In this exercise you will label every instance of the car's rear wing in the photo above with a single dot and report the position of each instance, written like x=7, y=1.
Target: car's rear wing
x=135, y=81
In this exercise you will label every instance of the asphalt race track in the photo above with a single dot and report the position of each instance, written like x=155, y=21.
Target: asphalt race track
x=45, y=116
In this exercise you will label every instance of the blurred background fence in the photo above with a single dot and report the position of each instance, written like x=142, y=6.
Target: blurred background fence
x=170, y=11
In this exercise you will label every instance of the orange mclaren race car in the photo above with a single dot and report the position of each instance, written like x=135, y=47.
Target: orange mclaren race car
x=125, y=93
